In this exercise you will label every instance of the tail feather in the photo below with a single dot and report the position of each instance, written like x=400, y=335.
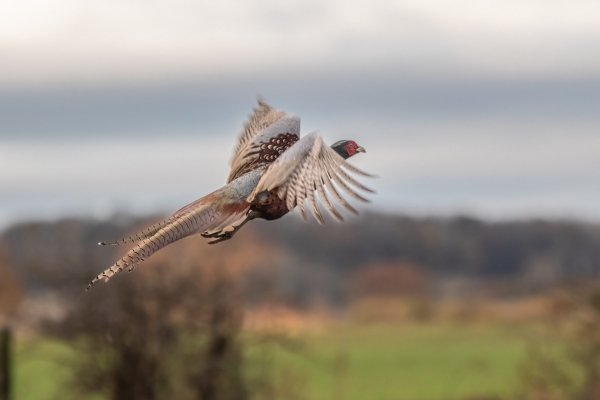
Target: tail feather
x=145, y=234
x=215, y=211
x=180, y=225
x=149, y=232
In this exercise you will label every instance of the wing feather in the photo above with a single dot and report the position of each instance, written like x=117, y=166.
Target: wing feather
x=310, y=166
x=336, y=195
x=343, y=174
x=310, y=191
x=256, y=122
x=326, y=202
x=264, y=124
x=347, y=188
x=301, y=192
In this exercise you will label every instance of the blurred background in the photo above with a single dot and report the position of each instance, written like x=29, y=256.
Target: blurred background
x=472, y=275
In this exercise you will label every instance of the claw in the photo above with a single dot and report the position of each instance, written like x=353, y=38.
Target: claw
x=211, y=235
x=222, y=237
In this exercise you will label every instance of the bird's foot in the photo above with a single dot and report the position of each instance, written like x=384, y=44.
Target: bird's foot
x=219, y=236
x=211, y=235
x=222, y=237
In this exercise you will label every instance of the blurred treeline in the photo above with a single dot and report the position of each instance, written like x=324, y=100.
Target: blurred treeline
x=179, y=326
x=310, y=263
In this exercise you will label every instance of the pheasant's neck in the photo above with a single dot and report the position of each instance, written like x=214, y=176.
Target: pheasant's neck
x=341, y=152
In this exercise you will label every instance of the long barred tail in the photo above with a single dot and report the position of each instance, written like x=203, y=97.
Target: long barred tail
x=145, y=234
x=177, y=227
x=149, y=232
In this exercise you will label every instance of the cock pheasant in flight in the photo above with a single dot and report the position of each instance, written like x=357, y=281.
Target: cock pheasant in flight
x=273, y=170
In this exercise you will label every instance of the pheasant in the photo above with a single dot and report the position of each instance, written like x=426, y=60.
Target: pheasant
x=273, y=170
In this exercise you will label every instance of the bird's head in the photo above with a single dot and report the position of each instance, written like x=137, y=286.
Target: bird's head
x=347, y=148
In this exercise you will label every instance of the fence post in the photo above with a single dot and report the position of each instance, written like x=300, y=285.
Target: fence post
x=5, y=367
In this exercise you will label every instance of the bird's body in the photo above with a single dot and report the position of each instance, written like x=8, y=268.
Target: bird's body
x=273, y=170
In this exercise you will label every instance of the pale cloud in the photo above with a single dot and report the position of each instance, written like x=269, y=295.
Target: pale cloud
x=93, y=42
x=514, y=132
x=126, y=165
x=493, y=167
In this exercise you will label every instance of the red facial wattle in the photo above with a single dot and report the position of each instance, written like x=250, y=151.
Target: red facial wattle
x=351, y=148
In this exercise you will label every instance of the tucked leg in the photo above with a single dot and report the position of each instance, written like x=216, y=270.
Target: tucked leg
x=222, y=236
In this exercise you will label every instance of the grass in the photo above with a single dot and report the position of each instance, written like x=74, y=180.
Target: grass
x=41, y=368
x=346, y=362
x=415, y=362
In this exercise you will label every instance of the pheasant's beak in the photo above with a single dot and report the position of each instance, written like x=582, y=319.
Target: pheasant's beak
x=361, y=149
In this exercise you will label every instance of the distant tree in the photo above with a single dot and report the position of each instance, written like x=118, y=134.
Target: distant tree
x=389, y=279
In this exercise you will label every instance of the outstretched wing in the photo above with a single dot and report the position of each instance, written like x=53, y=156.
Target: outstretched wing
x=307, y=166
x=267, y=134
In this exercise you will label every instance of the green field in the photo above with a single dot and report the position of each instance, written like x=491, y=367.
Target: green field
x=41, y=368
x=411, y=362
x=415, y=362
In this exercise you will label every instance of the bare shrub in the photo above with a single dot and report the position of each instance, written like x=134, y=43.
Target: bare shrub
x=168, y=330
x=11, y=292
x=566, y=364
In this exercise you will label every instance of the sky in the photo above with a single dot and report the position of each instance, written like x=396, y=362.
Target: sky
x=485, y=108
